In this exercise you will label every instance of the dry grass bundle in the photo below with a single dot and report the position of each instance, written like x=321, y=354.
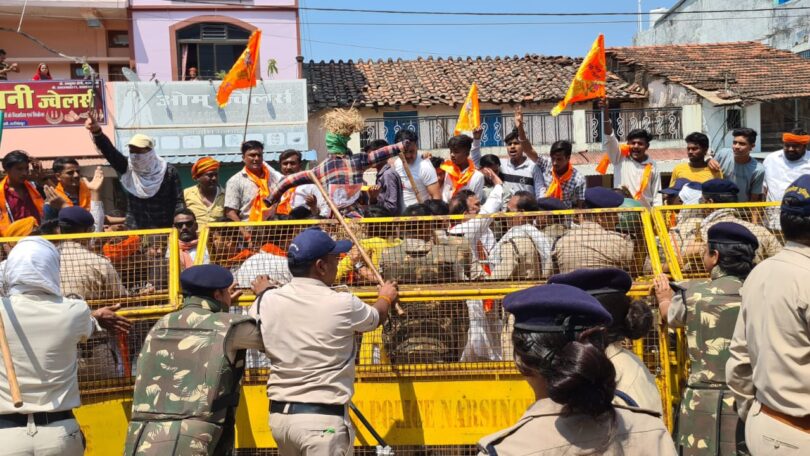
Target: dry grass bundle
x=343, y=121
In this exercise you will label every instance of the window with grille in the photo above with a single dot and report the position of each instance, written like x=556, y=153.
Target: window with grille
x=209, y=47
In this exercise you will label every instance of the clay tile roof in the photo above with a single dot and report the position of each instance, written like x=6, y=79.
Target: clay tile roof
x=753, y=71
x=445, y=81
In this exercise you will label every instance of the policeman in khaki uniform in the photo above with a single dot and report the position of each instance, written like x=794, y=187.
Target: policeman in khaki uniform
x=593, y=244
x=632, y=319
x=559, y=349
x=769, y=367
x=309, y=337
x=190, y=372
x=708, y=309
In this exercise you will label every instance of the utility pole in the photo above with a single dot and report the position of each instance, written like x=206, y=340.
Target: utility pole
x=639, y=17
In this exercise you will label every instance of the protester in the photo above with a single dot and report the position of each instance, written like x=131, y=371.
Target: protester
x=43, y=328
x=6, y=68
x=387, y=192
x=306, y=195
x=206, y=199
x=460, y=172
x=767, y=369
x=560, y=351
x=42, y=73
x=516, y=170
x=440, y=174
x=632, y=320
x=632, y=167
x=246, y=190
x=19, y=197
x=785, y=166
x=423, y=171
x=524, y=251
x=312, y=359
x=186, y=225
x=697, y=169
x=74, y=190
x=164, y=419
x=556, y=177
x=152, y=186
x=738, y=166
x=708, y=309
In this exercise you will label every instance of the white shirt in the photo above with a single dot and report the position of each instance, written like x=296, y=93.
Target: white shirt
x=45, y=356
x=780, y=172
x=274, y=266
x=515, y=177
x=300, y=198
x=628, y=173
x=475, y=185
x=477, y=230
x=423, y=174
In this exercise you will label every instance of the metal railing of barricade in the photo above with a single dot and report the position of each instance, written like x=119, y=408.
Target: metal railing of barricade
x=137, y=269
x=682, y=232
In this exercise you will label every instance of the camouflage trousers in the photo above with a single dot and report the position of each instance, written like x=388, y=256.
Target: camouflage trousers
x=187, y=437
x=708, y=424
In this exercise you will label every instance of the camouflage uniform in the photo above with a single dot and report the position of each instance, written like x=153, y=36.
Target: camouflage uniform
x=428, y=331
x=187, y=388
x=707, y=422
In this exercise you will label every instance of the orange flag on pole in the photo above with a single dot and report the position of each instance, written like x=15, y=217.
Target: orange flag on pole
x=589, y=82
x=470, y=116
x=243, y=72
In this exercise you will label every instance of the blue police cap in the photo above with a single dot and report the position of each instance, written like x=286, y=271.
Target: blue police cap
x=555, y=308
x=314, y=243
x=205, y=278
x=550, y=204
x=76, y=215
x=602, y=198
x=675, y=188
x=720, y=186
x=732, y=233
x=596, y=281
x=797, y=197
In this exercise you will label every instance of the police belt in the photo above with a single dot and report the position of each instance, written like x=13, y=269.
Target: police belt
x=13, y=420
x=295, y=408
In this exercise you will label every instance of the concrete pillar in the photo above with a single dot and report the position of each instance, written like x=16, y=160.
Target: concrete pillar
x=580, y=121
x=752, y=118
x=691, y=118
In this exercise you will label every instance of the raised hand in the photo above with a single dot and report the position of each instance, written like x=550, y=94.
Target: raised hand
x=98, y=179
x=478, y=132
x=53, y=199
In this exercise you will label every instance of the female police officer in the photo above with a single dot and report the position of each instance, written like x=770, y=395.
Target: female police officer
x=559, y=349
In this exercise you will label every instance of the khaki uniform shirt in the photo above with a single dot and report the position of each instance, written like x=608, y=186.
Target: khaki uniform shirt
x=591, y=246
x=308, y=331
x=203, y=213
x=634, y=379
x=770, y=350
x=88, y=275
x=544, y=431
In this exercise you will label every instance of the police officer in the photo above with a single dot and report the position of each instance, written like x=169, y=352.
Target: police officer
x=559, y=349
x=308, y=330
x=708, y=309
x=632, y=319
x=768, y=370
x=190, y=371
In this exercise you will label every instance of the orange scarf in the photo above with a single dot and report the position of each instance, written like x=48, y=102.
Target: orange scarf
x=84, y=195
x=285, y=204
x=273, y=249
x=645, y=181
x=457, y=177
x=5, y=217
x=258, y=207
x=555, y=190
x=185, y=258
x=602, y=167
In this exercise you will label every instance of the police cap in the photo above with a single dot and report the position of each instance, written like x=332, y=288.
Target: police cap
x=732, y=233
x=797, y=197
x=314, y=243
x=720, y=186
x=596, y=281
x=555, y=308
x=204, y=279
x=550, y=204
x=77, y=216
x=602, y=198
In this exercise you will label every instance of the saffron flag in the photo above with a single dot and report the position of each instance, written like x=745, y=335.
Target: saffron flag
x=589, y=82
x=243, y=72
x=470, y=116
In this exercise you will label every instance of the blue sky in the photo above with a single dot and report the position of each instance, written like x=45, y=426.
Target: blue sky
x=408, y=37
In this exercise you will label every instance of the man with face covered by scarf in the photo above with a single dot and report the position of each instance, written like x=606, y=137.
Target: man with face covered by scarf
x=43, y=328
x=153, y=187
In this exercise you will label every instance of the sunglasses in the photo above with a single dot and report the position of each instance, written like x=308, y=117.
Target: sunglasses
x=180, y=225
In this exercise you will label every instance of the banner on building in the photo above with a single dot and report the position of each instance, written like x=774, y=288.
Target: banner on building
x=50, y=103
x=184, y=119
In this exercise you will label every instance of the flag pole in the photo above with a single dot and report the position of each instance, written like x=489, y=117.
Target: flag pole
x=247, y=116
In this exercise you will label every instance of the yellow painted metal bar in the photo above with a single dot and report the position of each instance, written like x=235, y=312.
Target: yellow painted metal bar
x=649, y=238
x=174, y=267
x=202, y=240
x=666, y=243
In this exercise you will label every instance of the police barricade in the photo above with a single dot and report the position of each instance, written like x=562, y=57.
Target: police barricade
x=682, y=233
x=453, y=273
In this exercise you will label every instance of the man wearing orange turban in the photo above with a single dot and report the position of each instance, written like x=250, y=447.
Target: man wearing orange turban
x=206, y=199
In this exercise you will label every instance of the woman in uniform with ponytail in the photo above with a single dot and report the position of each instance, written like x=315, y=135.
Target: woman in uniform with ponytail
x=559, y=347
x=632, y=319
x=707, y=421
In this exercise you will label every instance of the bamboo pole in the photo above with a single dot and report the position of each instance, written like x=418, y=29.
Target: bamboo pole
x=11, y=374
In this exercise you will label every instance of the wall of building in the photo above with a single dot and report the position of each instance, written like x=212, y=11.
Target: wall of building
x=780, y=29
x=153, y=40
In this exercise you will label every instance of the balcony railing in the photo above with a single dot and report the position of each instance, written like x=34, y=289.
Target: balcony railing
x=663, y=123
x=434, y=131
